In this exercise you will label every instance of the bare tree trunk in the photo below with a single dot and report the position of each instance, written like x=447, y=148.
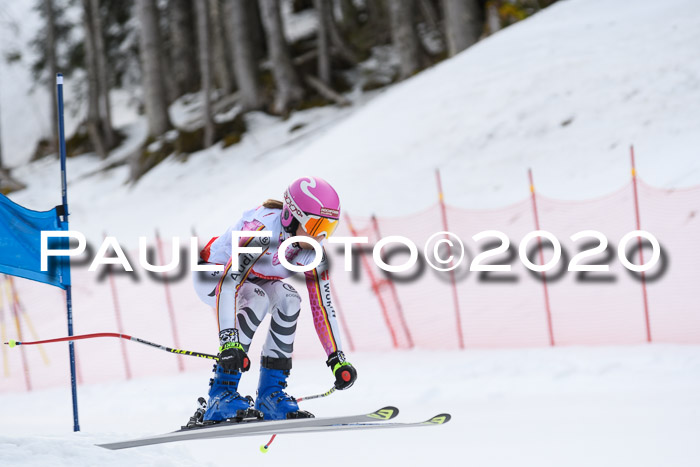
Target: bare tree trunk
x=52, y=66
x=94, y=125
x=245, y=63
x=378, y=20
x=324, y=54
x=255, y=29
x=171, y=89
x=493, y=18
x=152, y=68
x=404, y=37
x=339, y=43
x=348, y=12
x=205, y=67
x=289, y=90
x=221, y=61
x=102, y=76
x=183, y=46
x=464, y=22
x=429, y=13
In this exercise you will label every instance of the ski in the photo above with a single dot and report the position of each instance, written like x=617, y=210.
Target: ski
x=225, y=430
x=439, y=419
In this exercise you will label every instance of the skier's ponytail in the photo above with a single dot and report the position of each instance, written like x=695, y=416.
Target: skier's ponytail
x=273, y=204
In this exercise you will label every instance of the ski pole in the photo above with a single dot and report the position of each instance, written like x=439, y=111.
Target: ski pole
x=13, y=343
x=264, y=448
x=317, y=396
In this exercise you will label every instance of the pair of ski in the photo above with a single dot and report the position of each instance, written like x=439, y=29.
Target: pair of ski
x=375, y=420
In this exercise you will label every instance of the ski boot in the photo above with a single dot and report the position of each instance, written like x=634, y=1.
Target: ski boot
x=225, y=403
x=272, y=401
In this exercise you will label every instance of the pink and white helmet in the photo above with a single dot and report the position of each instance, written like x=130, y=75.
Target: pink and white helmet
x=313, y=203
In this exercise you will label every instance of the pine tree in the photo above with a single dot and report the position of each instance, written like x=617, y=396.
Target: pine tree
x=404, y=37
x=323, y=12
x=220, y=58
x=205, y=67
x=183, y=46
x=464, y=23
x=52, y=65
x=289, y=90
x=245, y=60
x=150, y=52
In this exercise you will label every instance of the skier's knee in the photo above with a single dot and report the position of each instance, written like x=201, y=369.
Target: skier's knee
x=290, y=303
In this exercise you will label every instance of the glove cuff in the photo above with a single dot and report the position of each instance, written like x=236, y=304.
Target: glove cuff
x=336, y=360
x=231, y=345
x=228, y=335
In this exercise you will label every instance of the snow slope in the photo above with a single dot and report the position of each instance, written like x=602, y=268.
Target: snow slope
x=604, y=406
x=564, y=92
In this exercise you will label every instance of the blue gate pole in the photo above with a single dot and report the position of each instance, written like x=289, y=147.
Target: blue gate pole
x=69, y=299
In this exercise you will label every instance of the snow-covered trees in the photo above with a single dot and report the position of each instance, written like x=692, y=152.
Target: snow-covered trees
x=253, y=54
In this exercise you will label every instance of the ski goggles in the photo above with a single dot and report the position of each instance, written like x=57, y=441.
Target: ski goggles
x=318, y=225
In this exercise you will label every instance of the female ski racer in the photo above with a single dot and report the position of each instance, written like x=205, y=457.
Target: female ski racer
x=252, y=286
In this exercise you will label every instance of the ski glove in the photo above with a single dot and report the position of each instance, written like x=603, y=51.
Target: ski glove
x=345, y=374
x=232, y=357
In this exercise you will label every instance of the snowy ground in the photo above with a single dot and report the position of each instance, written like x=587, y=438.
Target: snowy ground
x=606, y=406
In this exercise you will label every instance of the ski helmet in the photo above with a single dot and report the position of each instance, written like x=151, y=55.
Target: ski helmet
x=312, y=203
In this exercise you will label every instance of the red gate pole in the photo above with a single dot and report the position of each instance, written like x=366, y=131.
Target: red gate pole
x=118, y=316
x=375, y=288
x=394, y=294
x=3, y=334
x=639, y=239
x=544, y=275
x=455, y=296
x=169, y=302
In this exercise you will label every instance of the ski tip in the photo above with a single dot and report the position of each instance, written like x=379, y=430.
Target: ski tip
x=109, y=446
x=385, y=413
x=440, y=419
